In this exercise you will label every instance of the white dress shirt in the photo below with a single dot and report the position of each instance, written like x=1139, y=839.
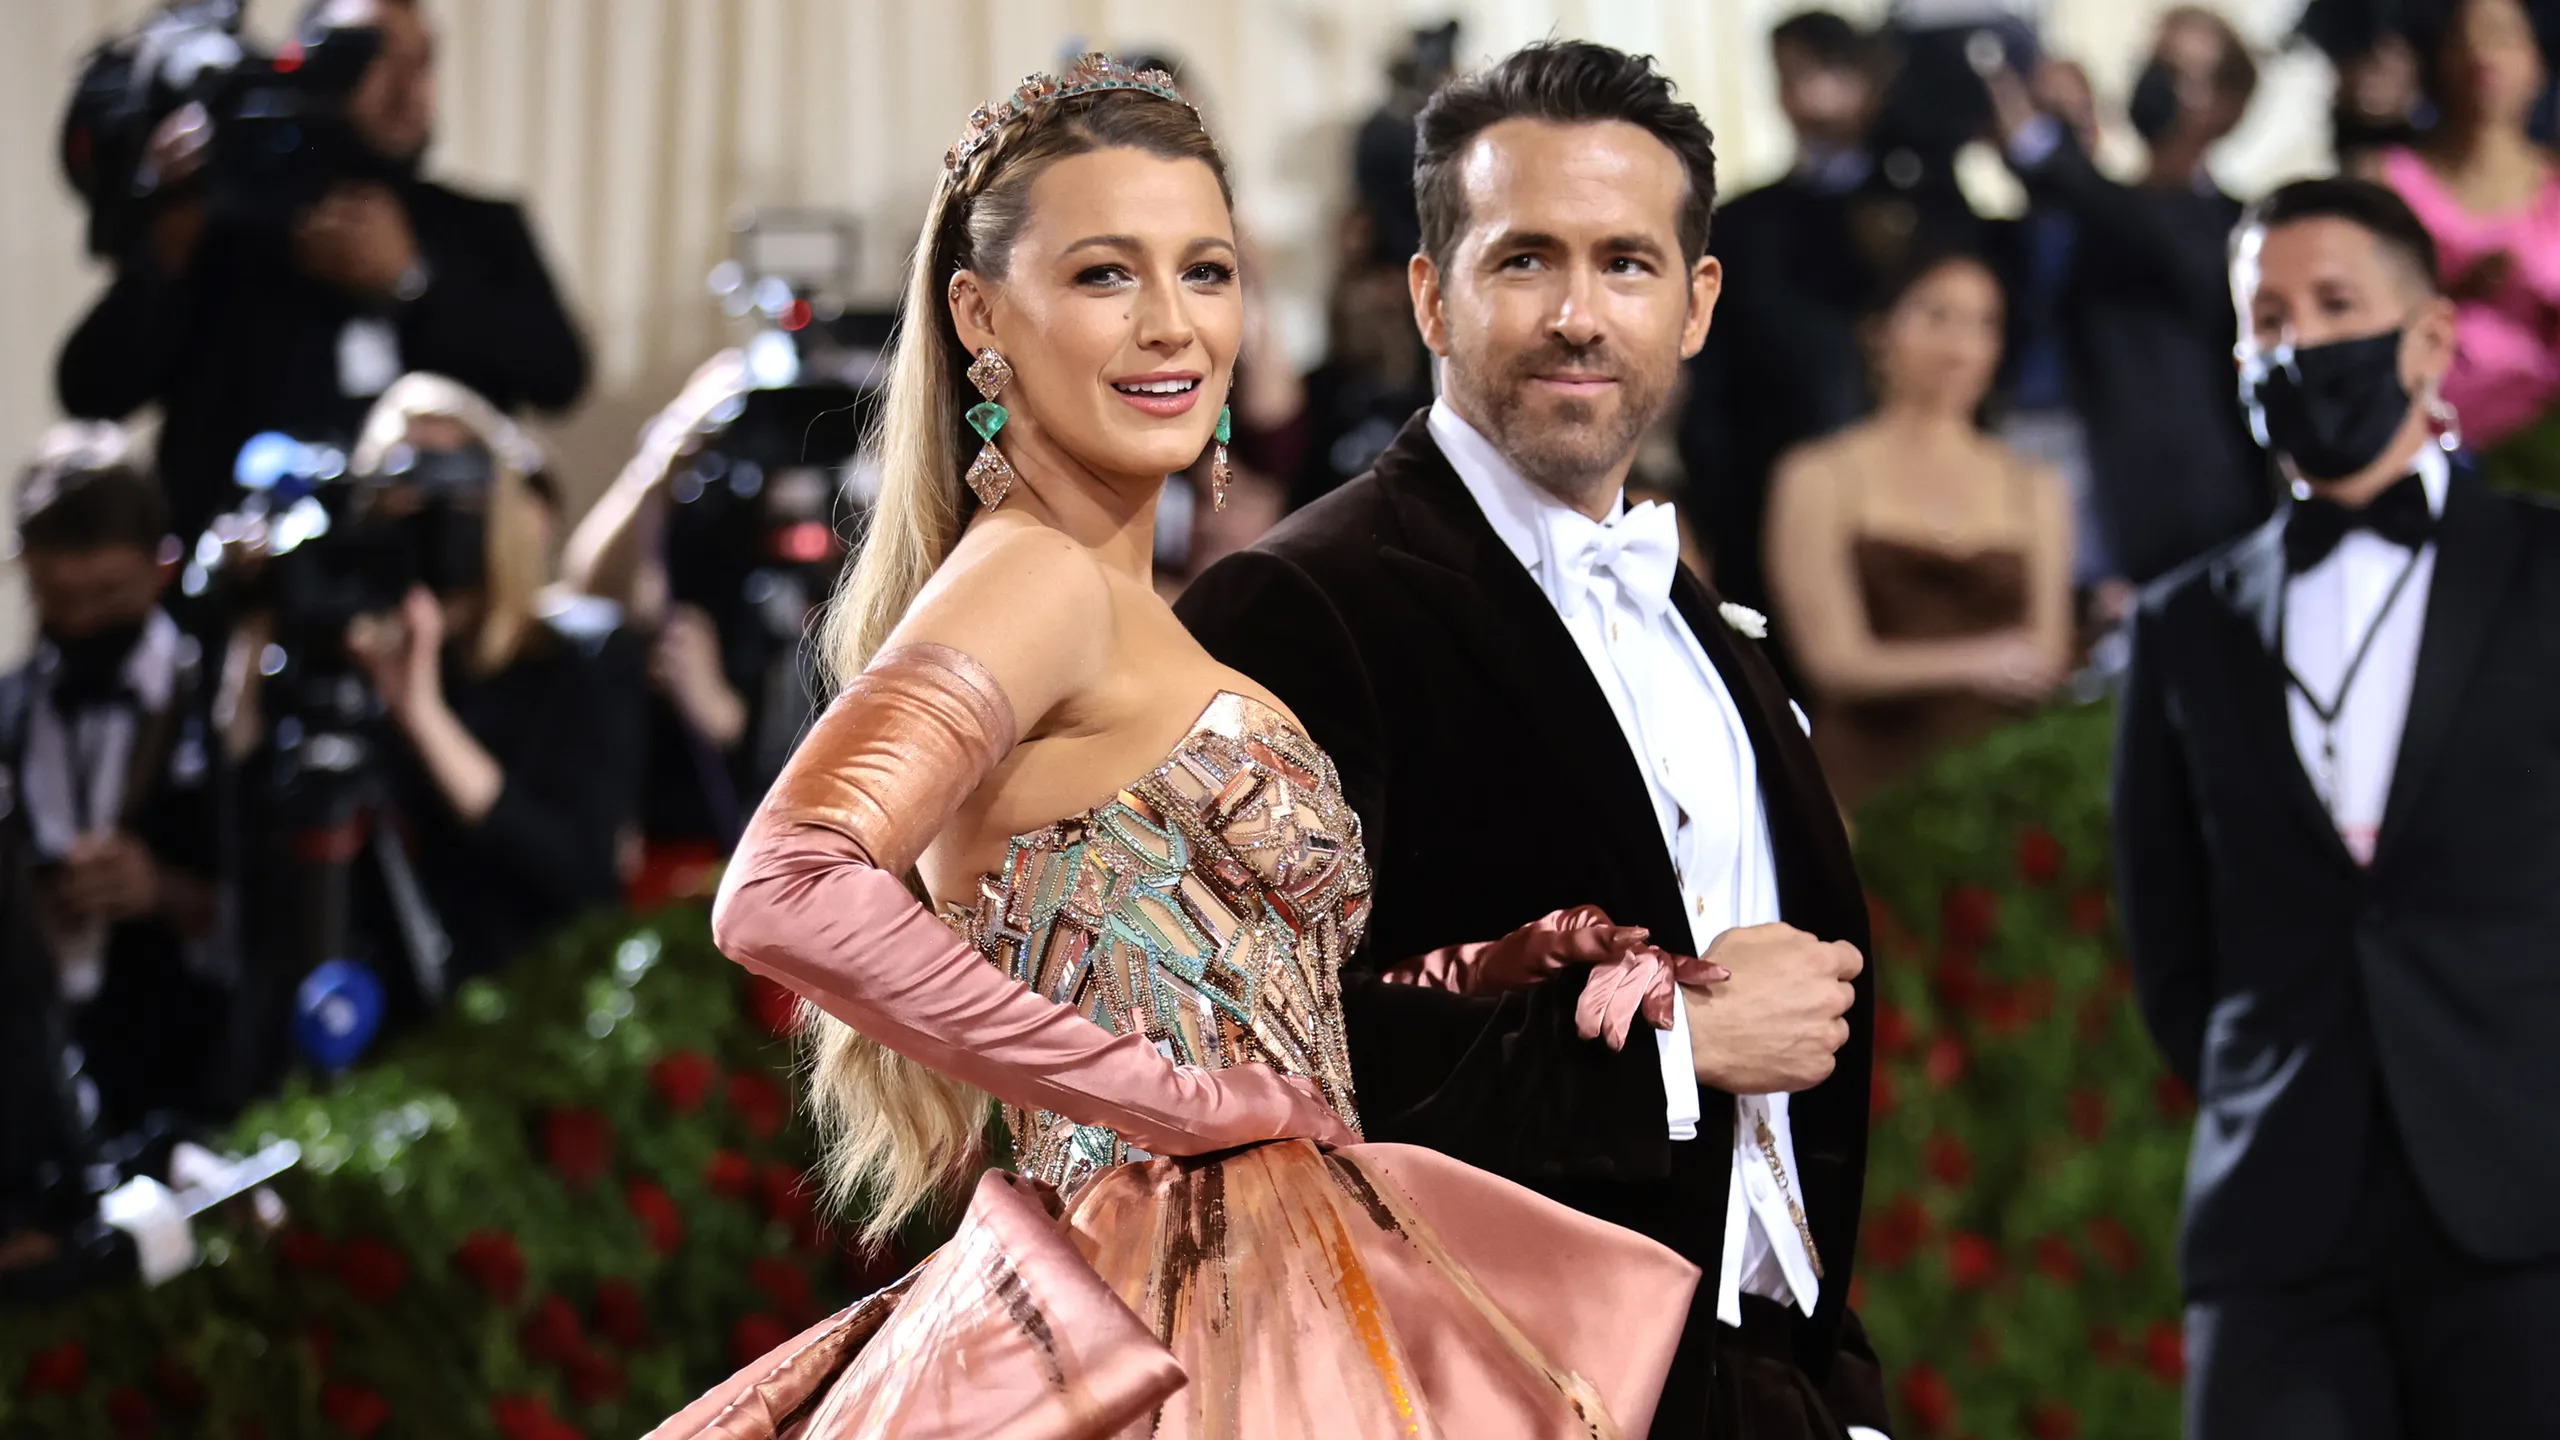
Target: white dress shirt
x=1681, y=725
x=2328, y=609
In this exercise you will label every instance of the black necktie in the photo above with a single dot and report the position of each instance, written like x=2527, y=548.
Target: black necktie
x=2400, y=515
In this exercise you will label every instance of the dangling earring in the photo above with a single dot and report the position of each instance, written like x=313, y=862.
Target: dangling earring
x=990, y=478
x=1218, y=459
x=2448, y=422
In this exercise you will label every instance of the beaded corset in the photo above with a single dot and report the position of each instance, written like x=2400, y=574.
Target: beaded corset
x=1209, y=905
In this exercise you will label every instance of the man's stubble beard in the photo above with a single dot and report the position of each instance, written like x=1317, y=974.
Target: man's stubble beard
x=1570, y=452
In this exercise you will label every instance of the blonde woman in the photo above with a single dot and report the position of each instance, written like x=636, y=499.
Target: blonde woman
x=1146, y=876
x=517, y=737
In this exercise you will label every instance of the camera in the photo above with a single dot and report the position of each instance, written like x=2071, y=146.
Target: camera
x=278, y=121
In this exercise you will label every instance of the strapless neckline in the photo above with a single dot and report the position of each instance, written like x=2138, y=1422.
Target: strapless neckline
x=1202, y=723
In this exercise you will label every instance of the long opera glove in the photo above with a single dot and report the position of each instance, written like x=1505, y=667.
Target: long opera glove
x=1645, y=981
x=813, y=900
x=1536, y=951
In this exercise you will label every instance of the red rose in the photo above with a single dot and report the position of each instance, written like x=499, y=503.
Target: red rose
x=2055, y=1258
x=1945, y=1062
x=2088, y=1115
x=61, y=1370
x=1897, y=1230
x=729, y=1174
x=1968, y=917
x=2089, y=911
x=1972, y=1262
x=372, y=1271
x=523, y=1417
x=551, y=1334
x=2052, y=1420
x=682, y=1080
x=2175, y=1100
x=2039, y=855
x=129, y=1412
x=755, y=1336
x=1880, y=1098
x=1958, y=981
x=621, y=1315
x=594, y=1377
x=1893, y=1030
x=786, y=1197
x=868, y=1268
x=178, y=1384
x=758, y=1103
x=774, y=1007
x=353, y=1410
x=2164, y=1352
x=1949, y=1161
x=2107, y=1343
x=658, y=1215
x=304, y=1250
x=786, y=1285
x=2004, y=1009
x=2115, y=1244
x=494, y=1262
x=1926, y=1399
x=578, y=1145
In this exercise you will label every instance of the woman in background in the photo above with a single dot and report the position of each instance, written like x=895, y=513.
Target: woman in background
x=2491, y=198
x=1920, y=568
x=1042, y=850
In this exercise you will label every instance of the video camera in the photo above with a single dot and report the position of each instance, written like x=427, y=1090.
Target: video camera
x=280, y=132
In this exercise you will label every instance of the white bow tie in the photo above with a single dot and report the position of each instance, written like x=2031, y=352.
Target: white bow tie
x=1639, y=551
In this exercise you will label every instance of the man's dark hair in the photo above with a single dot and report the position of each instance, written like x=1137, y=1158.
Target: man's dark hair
x=86, y=499
x=1830, y=39
x=2378, y=210
x=1565, y=82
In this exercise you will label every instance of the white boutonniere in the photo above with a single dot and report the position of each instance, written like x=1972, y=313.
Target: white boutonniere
x=1745, y=619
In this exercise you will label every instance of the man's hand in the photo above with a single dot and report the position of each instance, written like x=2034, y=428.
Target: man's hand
x=357, y=239
x=110, y=875
x=1776, y=1026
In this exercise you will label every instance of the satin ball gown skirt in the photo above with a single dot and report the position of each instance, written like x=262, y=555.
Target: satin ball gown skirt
x=1280, y=1292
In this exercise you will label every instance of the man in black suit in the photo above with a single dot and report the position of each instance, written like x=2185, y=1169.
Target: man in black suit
x=233, y=327
x=2338, y=827
x=2146, y=322
x=1533, y=707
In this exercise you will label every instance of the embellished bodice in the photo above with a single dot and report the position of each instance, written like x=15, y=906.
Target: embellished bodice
x=1209, y=905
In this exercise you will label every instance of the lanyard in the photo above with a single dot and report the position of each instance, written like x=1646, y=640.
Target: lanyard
x=2328, y=714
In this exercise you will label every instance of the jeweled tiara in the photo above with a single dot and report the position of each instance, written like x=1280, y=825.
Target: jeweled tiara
x=1089, y=74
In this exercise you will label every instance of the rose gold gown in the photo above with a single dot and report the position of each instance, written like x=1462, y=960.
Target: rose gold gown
x=1269, y=1293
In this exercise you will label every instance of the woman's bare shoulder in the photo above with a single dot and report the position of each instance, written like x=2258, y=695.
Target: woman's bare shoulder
x=1024, y=600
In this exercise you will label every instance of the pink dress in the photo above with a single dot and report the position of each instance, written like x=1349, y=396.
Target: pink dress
x=2506, y=366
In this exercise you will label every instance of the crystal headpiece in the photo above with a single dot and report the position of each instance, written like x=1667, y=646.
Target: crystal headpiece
x=1089, y=74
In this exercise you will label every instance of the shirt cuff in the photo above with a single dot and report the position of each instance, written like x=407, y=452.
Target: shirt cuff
x=2035, y=142
x=1861, y=1432
x=163, y=1242
x=1679, y=1075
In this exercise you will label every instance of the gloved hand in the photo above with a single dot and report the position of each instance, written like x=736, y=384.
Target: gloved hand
x=1645, y=981
x=1542, y=948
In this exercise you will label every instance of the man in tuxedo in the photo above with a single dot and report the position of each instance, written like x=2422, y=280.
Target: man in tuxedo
x=2338, y=827
x=1533, y=707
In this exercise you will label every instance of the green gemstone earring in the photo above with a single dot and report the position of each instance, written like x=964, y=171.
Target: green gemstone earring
x=1218, y=459
x=990, y=478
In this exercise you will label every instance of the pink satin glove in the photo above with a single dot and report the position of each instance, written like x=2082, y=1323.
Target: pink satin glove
x=1534, y=952
x=1645, y=981
x=812, y=899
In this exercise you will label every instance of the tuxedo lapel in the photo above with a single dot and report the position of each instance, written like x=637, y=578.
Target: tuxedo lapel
x=2476, y=552
x=1815, y=870
x=1452, y=561
x=2250, y=580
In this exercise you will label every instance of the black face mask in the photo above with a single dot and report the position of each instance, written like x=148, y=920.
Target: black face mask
x=2153, y=106
x=2331, y=408
x=91, y=668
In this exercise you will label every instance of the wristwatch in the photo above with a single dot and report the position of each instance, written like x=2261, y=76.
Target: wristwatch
x=412, y=282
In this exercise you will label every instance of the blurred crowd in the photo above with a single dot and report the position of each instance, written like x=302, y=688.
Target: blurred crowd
x=334, y=709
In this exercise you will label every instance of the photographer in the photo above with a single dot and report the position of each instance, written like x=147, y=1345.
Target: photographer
x=516, y=761
x=108, y=780
x=235, y=325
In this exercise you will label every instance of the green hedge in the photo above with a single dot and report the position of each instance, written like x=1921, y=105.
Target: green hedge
x=560, y=1211
x=2016, y=1265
